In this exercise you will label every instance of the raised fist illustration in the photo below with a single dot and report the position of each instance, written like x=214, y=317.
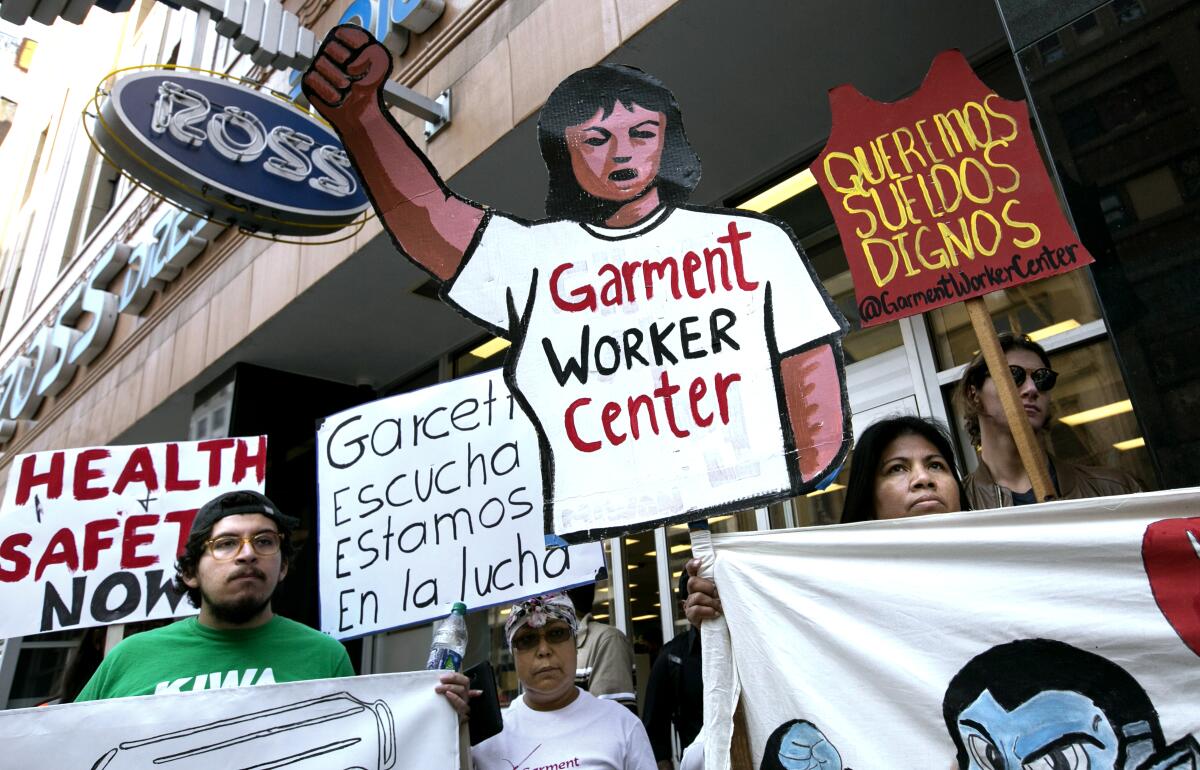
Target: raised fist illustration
x=347, y=75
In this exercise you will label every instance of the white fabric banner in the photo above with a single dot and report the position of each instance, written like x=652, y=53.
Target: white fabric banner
x=1061, y=636
x=89, y=537
x=430, y=498
x=368, y=723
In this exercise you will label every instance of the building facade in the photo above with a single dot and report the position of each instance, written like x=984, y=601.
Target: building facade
x=262, y=336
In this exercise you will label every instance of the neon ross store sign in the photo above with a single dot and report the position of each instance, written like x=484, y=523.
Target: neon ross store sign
x=58, y=349
x=230, y=152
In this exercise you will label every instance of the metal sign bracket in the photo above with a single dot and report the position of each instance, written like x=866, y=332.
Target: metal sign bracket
x=433, y=127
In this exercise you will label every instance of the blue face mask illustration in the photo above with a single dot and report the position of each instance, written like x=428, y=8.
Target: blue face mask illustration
x=1042, y=704
x=800, y=745
x=1053, y=730
x=1030, y=704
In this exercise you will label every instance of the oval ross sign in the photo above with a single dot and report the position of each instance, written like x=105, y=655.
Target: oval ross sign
x=229, y=152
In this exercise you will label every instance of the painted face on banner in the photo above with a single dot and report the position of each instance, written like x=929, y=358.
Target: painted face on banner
x=1054, y=730
x=1035, y=402
x=616, y=157
x=805, y=747
x=913, y=479
x=237, y=589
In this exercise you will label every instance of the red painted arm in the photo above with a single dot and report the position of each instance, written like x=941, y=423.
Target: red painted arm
x=432, y=226
x=812, y=388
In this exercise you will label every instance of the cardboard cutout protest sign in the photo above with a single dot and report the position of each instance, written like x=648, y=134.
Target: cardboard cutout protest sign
x=676, y=361
x=89, y=536
x=434, y=497
x=366, y=723
x=941, y=196
x=1061, y=635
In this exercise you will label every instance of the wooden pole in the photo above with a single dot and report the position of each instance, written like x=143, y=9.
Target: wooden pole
x=1030, y=450
x=113, y=636
x=739, y=747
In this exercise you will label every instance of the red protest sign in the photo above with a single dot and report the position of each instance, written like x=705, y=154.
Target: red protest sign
x=941, y=196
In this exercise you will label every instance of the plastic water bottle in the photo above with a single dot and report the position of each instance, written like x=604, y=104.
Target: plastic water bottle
x=449, y=641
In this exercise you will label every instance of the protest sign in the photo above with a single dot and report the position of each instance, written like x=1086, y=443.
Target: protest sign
x=677, y=361
x=940, y=196
x=434, y=497
x=1059, y=635
x=89, y=536
x=368, y=723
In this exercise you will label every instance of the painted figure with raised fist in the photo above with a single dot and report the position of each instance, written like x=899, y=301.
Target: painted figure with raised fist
x=677, y=361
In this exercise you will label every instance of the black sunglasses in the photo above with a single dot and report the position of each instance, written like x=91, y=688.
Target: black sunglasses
x=531, y=639
x=1043, y=378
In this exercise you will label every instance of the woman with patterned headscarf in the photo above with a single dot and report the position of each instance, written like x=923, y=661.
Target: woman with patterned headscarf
x=554, y=723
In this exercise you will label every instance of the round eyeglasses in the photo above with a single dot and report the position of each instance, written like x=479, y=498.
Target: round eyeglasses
x=226, y=547
x=1043, y=378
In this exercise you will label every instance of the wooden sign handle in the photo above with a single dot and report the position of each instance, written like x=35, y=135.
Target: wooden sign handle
x=739, y=746
x=1030, y=450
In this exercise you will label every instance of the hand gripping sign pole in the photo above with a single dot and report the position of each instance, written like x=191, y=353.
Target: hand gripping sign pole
x=1032, y=456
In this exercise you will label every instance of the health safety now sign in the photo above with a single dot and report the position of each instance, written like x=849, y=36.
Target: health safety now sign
x=940, y=197
x=89, y=536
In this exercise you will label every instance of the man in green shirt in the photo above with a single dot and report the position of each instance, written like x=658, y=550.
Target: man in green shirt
x=236, y=554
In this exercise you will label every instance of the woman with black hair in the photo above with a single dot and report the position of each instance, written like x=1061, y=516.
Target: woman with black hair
x=902, y=466
x=652, y=340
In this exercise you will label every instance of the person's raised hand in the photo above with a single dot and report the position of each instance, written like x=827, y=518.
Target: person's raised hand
x=347, y=75
x=457, y=689
x=703, y=602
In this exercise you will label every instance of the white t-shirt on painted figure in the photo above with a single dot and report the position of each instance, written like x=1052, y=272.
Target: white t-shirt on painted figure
x=680, y=408
x=589, y=734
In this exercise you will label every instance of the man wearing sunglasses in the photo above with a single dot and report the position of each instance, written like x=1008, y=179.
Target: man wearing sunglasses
x=1001, y=479
x=237, y=553
x=554, y=723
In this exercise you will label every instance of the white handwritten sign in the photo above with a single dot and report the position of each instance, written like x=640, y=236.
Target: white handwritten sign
x=376, y=722
x=89, y=536
x=434, y=497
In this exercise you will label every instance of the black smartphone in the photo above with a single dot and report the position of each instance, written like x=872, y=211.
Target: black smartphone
x=485, y=719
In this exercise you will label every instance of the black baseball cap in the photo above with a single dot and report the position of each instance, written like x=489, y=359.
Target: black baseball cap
x=240, y=502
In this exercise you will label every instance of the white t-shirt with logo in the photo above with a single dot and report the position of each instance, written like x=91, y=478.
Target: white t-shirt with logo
x=708, y=300
x=589, y=733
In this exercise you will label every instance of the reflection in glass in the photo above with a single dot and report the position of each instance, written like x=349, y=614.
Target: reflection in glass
x=823, y=506
x=487, y=355
x=809, y=216
x=1039, y=309
x=641, y=589
x=1121, y=117
x=39, y=671
x=507, y=686
x=679, y=543
x=1089, y=380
